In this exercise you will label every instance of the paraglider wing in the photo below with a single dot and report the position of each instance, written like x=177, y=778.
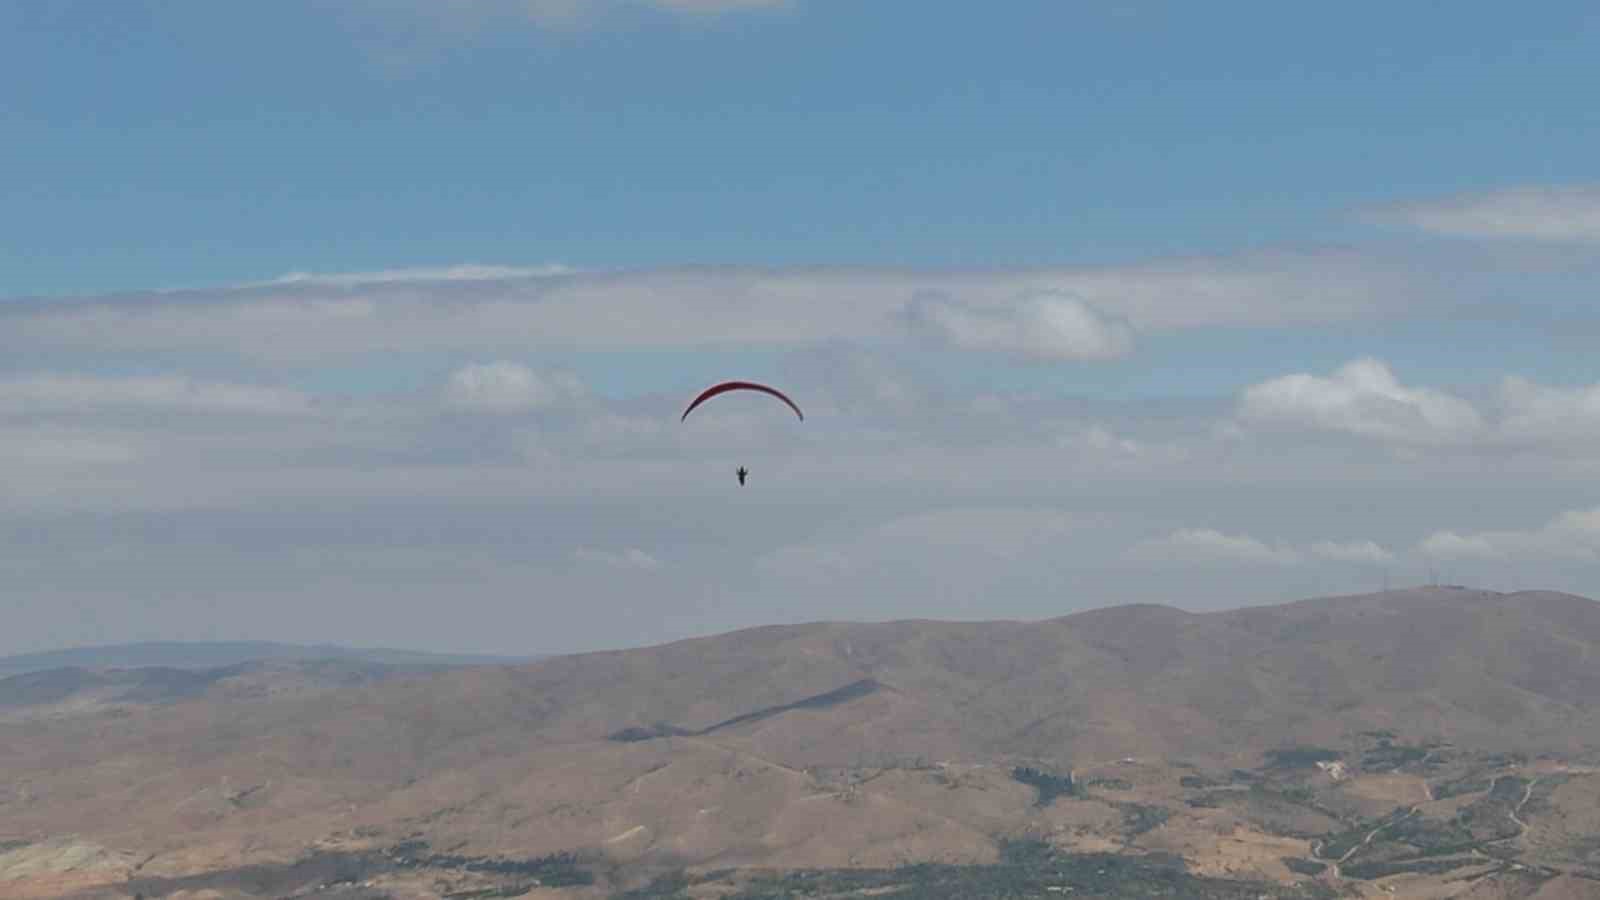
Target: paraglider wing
x=726, y=386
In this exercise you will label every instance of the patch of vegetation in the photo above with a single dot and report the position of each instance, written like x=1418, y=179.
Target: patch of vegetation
x=1049, y=786
x=1300, y=757
x=1270, y=808
x=1198, y=781
x=491, y=893
x=271, y=879
x=1026, y=852
x=1336, y=845
x=1366, y=871
x=1432, y=837
x=1294, y=795
x=1340, y=843
x=555, y=870
x=1507, y=789
x=1304, y=866
x=1028, y=868
x=664, y=887
x=1138, y=818
x=1585, y=848
x=1489, y=817
x=1111, y=784
x=637, y=733
x=1539, y=801
x=1391, y=756
x=1471, y=784
x=1299, y=794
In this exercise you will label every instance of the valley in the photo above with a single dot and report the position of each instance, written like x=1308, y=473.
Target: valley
x=1429, y=743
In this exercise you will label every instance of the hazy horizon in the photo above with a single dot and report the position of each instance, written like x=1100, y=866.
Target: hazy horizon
x=372, y=325
x=117, y=647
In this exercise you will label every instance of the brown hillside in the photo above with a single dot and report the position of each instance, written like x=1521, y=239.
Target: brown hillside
x=801, y=745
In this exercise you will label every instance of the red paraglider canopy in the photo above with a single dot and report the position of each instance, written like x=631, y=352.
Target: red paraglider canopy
x=726, y=386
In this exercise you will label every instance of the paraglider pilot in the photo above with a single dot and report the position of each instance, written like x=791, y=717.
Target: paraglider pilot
x=726, y=386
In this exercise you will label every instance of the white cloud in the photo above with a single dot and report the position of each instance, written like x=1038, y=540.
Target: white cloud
x=629, y=558
x=507, y=387
x=1362, y=398
x=1574, y=534
x=311, y=318
x=714, y=7
x=52, y=393
x=826, y=513
x=1048, y=327
x=1004, y=532
x=1352, y=551
x=631, y=431
x=463, y=272
x=1250, y=289
x=1207, y=545
x=1569, y=213
x=1101, y=438
x=1450, y=545
x=468, y=16
x=34, y=449
x=864, y=384
x=941, y=539
x=803, y=562
x=1533, y=412
x=1101, y=443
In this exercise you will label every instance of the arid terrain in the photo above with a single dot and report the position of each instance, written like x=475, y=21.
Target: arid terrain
x=1437, y=742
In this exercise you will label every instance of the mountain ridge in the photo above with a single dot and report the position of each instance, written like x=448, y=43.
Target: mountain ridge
x=838, y=744
x=212, y=654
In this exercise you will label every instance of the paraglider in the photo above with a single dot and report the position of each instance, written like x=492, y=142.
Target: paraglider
x=726, y=386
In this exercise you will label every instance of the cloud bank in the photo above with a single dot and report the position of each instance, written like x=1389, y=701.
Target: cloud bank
x=472, y=15
x=1572, y=535
x=47, y=394
x=1210, y=546
x=1569, y=213
x=1362, y=398
x=1365, y=399
x=508, y=387
x=508, y=437
x=1043, y=327
x=1067, y=313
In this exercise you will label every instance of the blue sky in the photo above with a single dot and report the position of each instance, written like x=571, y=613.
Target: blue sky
x=167, y=144
x=316, y=314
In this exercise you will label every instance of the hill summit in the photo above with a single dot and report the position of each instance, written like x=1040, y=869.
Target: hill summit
x=1334, y=743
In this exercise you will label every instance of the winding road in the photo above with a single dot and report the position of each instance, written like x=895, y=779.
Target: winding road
x=1513, y=813
x=1527, y=794
x=1316, y=846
